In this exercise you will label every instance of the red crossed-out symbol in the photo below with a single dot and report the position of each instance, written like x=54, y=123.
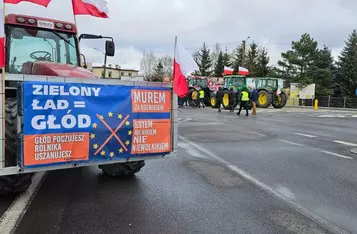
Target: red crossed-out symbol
x=113, y=133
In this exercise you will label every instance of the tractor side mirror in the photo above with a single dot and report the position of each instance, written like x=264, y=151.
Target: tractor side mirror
x=109, y=48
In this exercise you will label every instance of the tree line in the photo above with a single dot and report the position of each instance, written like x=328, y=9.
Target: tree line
x=306, y=62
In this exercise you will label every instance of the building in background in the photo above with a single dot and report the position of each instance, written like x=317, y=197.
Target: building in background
x=114, y=72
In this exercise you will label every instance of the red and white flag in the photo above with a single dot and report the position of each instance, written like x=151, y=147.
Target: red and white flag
x=38, y=2
x=2, y=37
x=184, y=65
x=243, y=71
x=96, y=8
x=228, y=71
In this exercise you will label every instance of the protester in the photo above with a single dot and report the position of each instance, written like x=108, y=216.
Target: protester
x=201, y=99
x=244, y=100
x=254, y=98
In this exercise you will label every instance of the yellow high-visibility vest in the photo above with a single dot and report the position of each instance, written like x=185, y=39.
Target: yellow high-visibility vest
x=194, y=95
x=245, y=96
x=202, y=94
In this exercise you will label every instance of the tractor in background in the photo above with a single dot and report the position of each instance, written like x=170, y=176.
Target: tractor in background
x=195, y=84
x=270, y=91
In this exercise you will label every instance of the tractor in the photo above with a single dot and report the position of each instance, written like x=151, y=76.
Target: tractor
x=230, y=92
x=267, y=88
x=195, y=84
x=270, y=92
x=43, y=57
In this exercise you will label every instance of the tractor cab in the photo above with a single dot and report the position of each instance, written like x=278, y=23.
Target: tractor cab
x=267, y=83
x=198, y=82
x=39, y=46
x=235, y=82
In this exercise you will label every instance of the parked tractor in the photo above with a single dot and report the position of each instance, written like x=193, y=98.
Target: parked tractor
x=195, y=84
x=59, y=115
x=270, y=92
x=267, y=88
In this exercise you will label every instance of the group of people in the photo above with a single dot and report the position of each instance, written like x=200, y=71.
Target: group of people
x=246, y=98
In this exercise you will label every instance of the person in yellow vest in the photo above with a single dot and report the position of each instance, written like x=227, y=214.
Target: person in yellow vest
x=244, y=101
x=194, y=99
x=201, y=98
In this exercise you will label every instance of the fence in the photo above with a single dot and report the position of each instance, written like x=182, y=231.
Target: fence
x=325, y=101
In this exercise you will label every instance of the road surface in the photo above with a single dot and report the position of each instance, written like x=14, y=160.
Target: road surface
x=283, y=171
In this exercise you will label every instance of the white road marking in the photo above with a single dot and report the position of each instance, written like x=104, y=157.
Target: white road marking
x=303, y=210
x=326, y=116
x=259, y=134
x=346, y=143
x=291, y=143
x=305, y=135
x=354, y=116
x=337, y=155
x=13, y=215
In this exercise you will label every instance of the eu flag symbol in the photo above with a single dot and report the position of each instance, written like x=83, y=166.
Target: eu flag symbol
x=111, y=135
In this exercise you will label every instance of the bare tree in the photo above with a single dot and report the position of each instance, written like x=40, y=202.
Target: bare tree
x=168, y=63
x=215, y=53
x=148, y=63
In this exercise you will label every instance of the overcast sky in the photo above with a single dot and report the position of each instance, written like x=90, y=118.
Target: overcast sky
x=152, y=24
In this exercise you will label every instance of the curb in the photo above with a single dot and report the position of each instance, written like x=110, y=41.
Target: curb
x=354, y=151
x=323, y=108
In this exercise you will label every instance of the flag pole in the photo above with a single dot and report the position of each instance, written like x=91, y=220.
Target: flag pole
x=75, y=26
x=173, y=73
x=3, y=102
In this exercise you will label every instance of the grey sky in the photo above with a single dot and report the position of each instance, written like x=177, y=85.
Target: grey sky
x=153, y=24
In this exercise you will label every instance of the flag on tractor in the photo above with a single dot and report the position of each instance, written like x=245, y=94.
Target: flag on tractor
x=38, y=2
x=184, y=65
x=96, y=8
x=2, y=37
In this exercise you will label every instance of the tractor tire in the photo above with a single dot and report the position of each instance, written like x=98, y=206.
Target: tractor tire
x=234, y=97
x=214, y=101
x=225, y=100
x=12, y=183
x=264, y=99
x=191, y=102
x=122, y=169
x=280, y=102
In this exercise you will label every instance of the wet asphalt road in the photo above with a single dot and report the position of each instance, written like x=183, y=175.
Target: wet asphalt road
x=290, y=150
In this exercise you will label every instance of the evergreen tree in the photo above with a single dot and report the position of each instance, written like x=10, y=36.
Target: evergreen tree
x=204, y=61
x=297, y=61
x=263, y=60
x=227, y=59
x=219, y=66
x=321, y=72
x=237, y=59
x=346, y=77
x=159, y=73
x=252, y=60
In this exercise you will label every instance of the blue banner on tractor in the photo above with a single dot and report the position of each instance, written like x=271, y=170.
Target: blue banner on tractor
x=73, y=122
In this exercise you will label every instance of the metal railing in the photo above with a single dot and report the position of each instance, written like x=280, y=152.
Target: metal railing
x=324, y=101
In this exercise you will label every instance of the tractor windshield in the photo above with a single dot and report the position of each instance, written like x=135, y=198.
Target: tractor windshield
x=32, y=44
x=199, y=82
x=267, y=83
x=236, y=82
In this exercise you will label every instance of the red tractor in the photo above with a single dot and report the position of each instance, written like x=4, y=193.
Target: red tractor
x=195, y=84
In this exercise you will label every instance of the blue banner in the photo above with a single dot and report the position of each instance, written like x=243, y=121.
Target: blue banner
x=69, y=122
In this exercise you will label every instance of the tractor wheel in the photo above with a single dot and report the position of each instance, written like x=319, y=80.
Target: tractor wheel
x=214, y=101
x=225, y=100
x=191, y=102
x=13, y=183
x=279, y=101
x=122, y=169
x=235, y=97
x=264, y=99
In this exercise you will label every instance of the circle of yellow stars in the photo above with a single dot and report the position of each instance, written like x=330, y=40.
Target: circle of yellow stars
x=96, y=146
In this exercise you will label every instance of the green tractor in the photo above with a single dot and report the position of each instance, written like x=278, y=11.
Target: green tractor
x=267, y=88
x=230, y=92
x=269, y=94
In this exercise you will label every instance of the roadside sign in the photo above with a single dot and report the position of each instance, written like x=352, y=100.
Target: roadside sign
x=67, y=123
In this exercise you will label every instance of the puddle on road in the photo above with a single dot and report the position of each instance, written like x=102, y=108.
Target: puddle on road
x=295, y=223
x=216, y=175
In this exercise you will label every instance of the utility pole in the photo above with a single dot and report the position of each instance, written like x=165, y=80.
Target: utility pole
x=243, y=47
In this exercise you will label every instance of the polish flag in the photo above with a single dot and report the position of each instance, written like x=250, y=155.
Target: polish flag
x=243, y=71
x=96, y=8
x=2, y=37
x=184, y=65
x=228, y=71
x=39, y=2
